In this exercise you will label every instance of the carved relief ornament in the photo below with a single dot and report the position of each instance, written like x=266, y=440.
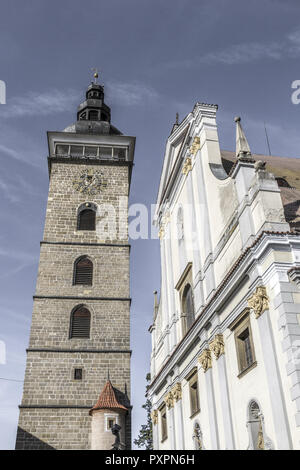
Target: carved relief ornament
x=259, y=301
x=177, y=392
x=195, y=145
x=217, y=346
x=169, y=400
x=187, y=166
x=205, y=360
x=154, y=416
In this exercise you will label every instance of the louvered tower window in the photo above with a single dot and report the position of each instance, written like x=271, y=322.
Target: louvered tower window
x=80, y=323
x=83, y=272
x=86, y=219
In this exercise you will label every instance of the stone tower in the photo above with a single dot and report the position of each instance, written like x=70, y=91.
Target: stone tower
x=81, y=312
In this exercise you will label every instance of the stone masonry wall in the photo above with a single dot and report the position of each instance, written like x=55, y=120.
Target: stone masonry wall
x=58, y=416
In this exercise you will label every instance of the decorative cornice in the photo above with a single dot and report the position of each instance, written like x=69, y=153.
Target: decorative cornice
x=169, y=400
x=187, y=166
x=217, y=346
x=154, y=417
x=259, y=301
x=177, y=391
x=205, y=360
x=195, y=145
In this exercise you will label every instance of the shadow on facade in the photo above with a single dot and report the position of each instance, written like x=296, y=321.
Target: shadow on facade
x=26, y=441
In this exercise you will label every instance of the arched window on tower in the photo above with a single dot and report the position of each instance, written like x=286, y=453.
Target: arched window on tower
x=188, y=312
x=83, y=271
x=86, y=218
x=80, y=323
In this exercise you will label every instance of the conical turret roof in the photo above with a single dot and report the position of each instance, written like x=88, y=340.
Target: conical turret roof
x=108, y=399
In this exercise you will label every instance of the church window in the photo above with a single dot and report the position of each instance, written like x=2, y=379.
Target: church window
x=255, y=427
x=77, y=374
x=83, y=272
x=163, y=418
x=244, y=345
x=194, y=393
x=80, y=323
x=86, y=219
x=188, y=311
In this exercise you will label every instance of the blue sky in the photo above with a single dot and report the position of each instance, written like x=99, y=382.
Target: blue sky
x=156, y=58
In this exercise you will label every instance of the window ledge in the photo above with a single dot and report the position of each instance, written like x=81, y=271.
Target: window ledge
x=248, y=369
x=195, y=413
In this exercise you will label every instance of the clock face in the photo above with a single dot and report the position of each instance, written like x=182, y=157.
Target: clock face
x=89, y=182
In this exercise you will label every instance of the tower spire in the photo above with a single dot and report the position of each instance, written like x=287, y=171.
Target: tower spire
x=242, y=146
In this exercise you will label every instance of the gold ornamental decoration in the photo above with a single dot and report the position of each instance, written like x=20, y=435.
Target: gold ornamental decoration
x=187, y=166
x=205, y=360
x=259, y=301
x=177, y=391
x=169, y=400
x=154, y=417
x=217, y=346
x=90, y=182
x=195, y=145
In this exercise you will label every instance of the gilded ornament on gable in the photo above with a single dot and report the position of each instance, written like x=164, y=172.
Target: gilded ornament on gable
x=205, y=360
x=154, y=416
x=169, y=400
x=195, y=145
x=217, y=346
x=177, y=392
x=187, y=166
x=259, y=301
x=90, y=182
x=161, y=232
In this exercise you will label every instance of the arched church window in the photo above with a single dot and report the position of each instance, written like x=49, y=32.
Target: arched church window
x=255, y=427
x=188, y=307
x=80, y=323
x=86, y=218
x=83, y=271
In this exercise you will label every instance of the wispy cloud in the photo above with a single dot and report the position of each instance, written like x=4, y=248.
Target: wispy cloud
x=242, y=53
x=22, y=259
x=130, y=94
x=41, y=104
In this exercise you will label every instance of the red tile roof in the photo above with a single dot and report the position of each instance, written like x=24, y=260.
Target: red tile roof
x=108, y=399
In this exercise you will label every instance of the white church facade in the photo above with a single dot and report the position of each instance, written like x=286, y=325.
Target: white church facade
x=225, y=362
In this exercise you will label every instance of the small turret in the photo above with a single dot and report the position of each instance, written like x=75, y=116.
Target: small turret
x=106, y=414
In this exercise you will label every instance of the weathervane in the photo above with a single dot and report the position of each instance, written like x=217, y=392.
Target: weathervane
x=96, y=74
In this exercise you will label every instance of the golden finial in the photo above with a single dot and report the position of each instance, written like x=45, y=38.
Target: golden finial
x=96, y=74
